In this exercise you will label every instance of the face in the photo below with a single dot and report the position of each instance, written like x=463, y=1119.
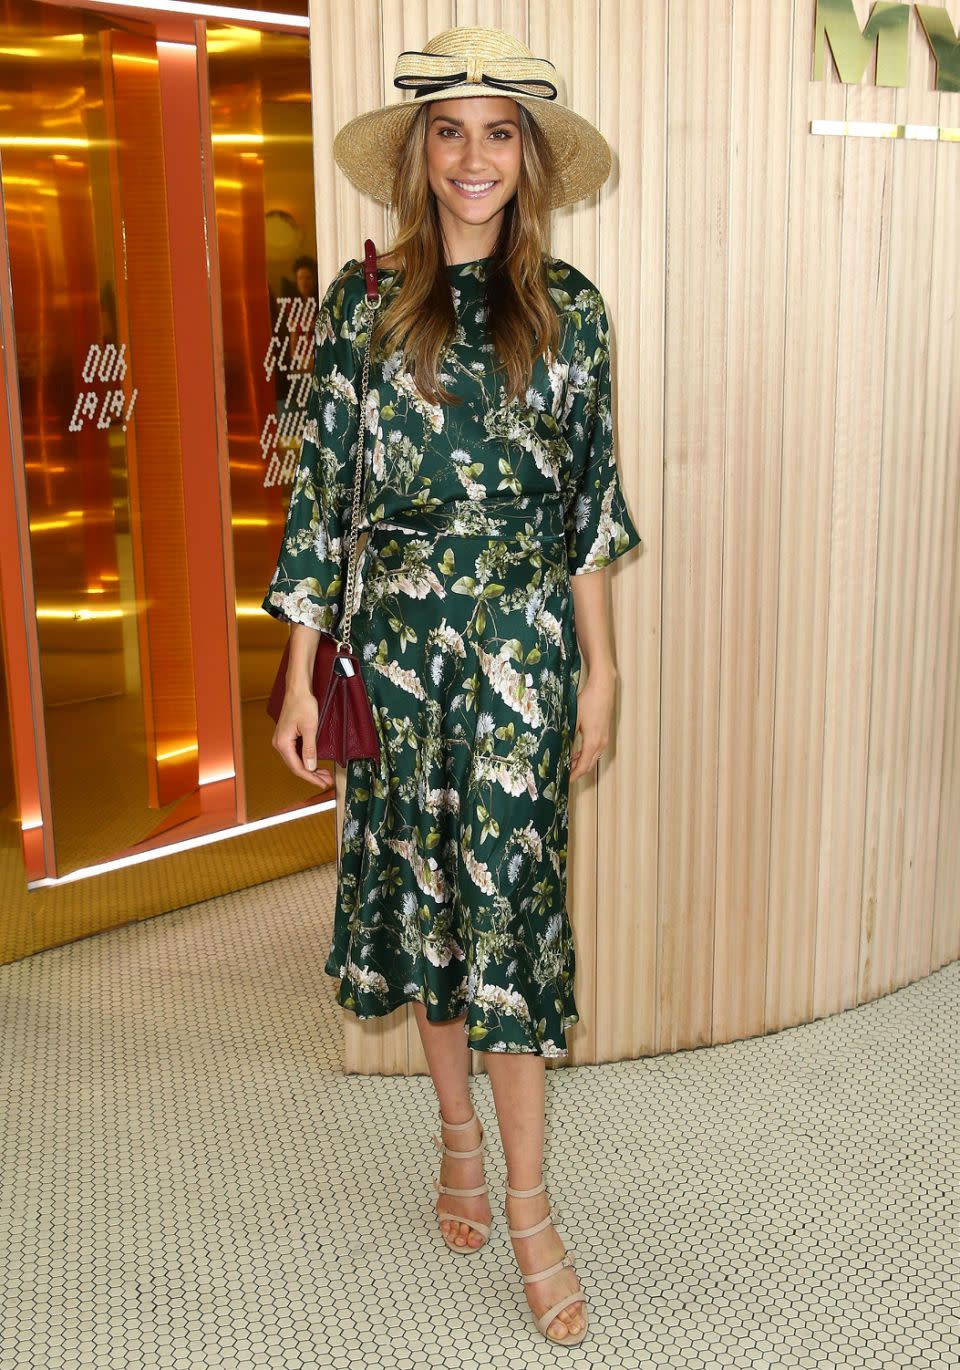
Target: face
x=475, y=140
x=306, y=281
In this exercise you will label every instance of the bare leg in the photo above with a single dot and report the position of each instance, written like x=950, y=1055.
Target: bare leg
x=518, y=1091
x=448, y=1057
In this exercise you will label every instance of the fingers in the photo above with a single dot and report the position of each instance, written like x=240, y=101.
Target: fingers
x=589, y=753
x=576, y=749
x=305, y=769
x=324, y=775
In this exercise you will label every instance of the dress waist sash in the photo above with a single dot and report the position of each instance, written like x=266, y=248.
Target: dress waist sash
x=505, y=518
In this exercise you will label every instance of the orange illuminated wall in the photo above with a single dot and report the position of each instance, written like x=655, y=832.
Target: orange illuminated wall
x=157, y=184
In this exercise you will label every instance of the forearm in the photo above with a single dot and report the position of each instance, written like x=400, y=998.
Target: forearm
x=304, y=642
x=592, y=622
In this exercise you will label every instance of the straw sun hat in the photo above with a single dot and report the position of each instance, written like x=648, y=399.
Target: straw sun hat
x=471, y=61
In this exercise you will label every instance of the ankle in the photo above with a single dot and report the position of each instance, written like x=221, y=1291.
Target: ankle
x=459, y=1117
x=528, y=1184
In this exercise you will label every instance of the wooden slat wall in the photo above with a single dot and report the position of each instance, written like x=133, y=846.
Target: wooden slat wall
x=775, y=833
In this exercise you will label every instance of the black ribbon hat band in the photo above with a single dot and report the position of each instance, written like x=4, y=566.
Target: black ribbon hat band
x=516, y=74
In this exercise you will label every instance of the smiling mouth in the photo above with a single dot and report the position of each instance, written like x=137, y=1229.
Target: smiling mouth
x=473, y=190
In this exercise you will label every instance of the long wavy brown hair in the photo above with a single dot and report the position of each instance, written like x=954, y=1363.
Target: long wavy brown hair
x=420, y=320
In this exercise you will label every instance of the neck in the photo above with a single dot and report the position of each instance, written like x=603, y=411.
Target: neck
x=463, y=243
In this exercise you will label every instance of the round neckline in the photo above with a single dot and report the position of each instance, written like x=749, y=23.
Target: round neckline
x=450, y=266
x=458, y=266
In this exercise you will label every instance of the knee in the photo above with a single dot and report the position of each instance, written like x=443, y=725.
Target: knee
x=420, y=1009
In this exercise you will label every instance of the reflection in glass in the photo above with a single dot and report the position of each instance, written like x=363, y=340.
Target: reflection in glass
x=83, y=184
x=263, y=178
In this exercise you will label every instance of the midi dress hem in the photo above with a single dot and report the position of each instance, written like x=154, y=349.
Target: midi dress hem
x=474, y=1026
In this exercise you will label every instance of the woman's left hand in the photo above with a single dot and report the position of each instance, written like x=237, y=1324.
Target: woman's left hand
x=595, y=704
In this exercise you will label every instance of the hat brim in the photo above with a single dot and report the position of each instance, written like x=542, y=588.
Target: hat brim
x=366, y=148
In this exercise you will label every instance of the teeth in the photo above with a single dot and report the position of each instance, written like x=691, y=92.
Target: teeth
x=474, y=185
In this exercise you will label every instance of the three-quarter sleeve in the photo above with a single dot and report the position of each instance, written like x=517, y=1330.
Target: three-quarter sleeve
x=597, y=522
x=307, y=584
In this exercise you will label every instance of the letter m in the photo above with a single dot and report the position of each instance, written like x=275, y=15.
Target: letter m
x=887, y=27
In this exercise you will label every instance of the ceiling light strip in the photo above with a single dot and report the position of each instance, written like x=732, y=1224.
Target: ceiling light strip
x=224, y=12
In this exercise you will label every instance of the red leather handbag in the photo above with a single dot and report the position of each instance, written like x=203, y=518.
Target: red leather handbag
x=345, y=722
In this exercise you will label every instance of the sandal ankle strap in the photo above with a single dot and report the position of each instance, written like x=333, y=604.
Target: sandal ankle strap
x=458, y=1127
x=474, y=1150
x=561, y=1264
x=441, y=1145
x=530, y=1231
x=460, y=1193
x=526, y=1193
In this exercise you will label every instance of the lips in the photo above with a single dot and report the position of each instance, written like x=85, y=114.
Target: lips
x=465, y=188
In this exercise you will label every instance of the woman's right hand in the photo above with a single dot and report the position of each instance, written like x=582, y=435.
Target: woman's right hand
x=298, y=718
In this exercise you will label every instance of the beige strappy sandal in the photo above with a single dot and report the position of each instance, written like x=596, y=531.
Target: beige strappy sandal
x=578, y=1296
x=443, y=1214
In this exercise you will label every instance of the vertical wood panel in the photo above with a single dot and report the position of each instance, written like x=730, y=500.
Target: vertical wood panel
x=632, y=45
x=698, y=55
x=759, y=194
x=813, y=306
x=942, y=429
x=908, y=485
x=861, y=348
x=773, y=834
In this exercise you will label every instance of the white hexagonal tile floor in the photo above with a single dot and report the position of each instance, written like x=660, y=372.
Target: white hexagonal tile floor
x=188, y=1179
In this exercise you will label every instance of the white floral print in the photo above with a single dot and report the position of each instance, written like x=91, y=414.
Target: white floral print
x=451, y=886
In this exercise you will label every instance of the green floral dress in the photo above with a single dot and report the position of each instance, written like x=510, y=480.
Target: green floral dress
x=452, y=877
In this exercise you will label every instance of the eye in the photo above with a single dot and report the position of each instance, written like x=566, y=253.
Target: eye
x=448, y=128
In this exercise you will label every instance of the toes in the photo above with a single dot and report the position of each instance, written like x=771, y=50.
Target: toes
x=460, y=1233
x=575, y=1319
x=567, y=1323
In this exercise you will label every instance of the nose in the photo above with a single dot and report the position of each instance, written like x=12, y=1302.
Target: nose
x=473, y=163
x=472, y=171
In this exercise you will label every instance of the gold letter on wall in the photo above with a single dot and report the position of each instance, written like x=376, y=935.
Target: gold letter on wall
x=887, y=27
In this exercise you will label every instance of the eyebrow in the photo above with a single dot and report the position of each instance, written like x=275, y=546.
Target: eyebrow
x=490, y=123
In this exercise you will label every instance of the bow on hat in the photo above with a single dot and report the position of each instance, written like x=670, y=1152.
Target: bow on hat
x=425, y=73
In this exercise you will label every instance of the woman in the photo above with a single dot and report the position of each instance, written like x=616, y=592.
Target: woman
x=491, y=490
